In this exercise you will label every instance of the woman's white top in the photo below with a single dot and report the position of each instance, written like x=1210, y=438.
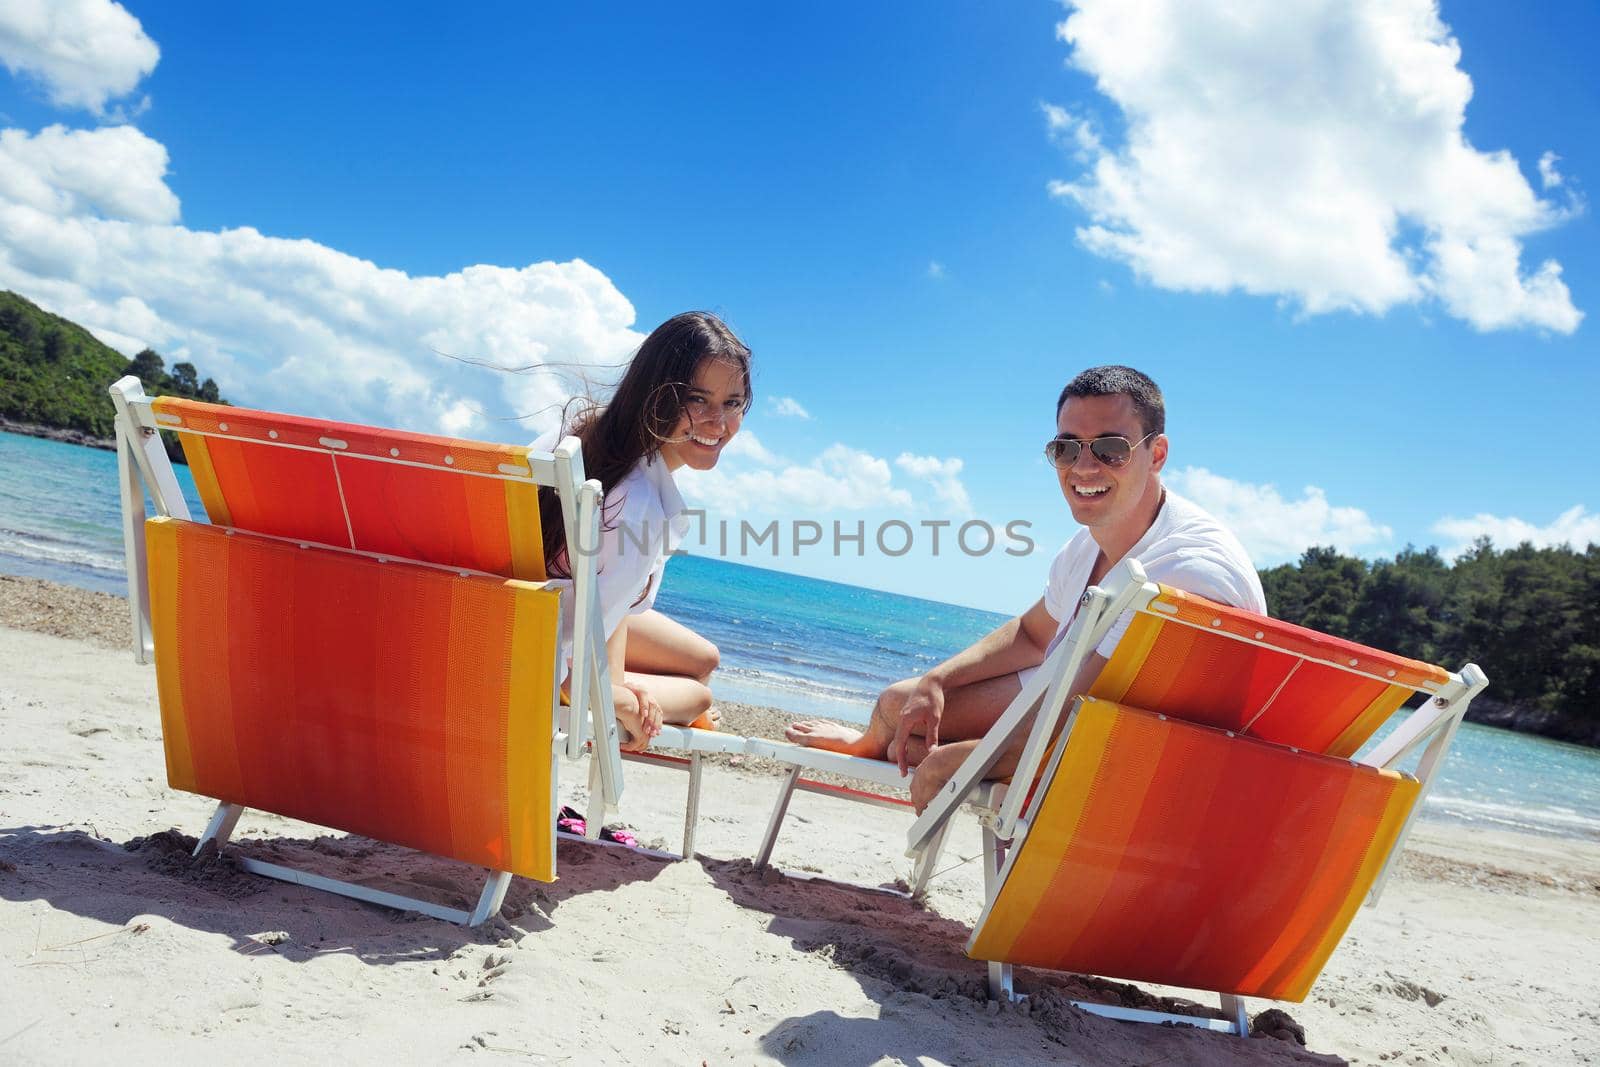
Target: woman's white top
x=642, y=521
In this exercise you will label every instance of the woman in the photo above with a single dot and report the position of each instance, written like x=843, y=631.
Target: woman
x=679, y=403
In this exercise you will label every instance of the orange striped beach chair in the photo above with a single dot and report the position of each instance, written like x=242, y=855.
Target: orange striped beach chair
x=362, y=636
x=1201, y=818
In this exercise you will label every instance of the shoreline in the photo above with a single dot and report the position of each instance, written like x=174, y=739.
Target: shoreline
x=1486, y=710
x=61, y=434
x=68, y=610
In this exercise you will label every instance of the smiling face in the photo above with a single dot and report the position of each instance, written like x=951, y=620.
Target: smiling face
x=1118, y=503
x=713, y=407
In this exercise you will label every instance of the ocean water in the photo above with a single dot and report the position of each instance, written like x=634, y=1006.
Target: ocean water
x=805, y=645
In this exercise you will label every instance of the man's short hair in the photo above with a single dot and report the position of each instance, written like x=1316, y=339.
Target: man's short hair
x=1116, y=380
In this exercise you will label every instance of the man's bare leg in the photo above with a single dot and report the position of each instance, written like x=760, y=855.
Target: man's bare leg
x=969, y=711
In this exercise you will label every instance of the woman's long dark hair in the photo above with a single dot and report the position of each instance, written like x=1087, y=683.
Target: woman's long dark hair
x=643, y=411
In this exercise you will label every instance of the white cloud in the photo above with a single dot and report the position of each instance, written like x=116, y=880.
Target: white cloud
x=1311, y=151
x=786, y=407
x=840, y=479
x=944, y=475
x=88, y=229
x=1075, y=134
x=936, y=269
x=746, y=445
x=1575, y=527
x=1273, y=529
x=114, y=172
x=1548, y=175
x=84, y=52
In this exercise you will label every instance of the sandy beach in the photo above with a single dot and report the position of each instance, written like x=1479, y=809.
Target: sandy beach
x=112, y=940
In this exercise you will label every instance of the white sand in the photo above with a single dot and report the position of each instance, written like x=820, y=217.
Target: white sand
x=1483, y=950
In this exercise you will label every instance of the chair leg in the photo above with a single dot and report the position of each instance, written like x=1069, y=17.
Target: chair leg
x=596, y=815
x=923, y=871
x=779, y=810
x=691, y=814
x=1000, y=985
x=493, y=895
x=220, y=828
x=1233, y=1009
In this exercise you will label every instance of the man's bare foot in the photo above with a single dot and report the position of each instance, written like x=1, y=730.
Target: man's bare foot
x=935, y=771
x=819, y=733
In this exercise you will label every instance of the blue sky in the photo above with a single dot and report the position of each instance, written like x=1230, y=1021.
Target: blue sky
x=923, y=221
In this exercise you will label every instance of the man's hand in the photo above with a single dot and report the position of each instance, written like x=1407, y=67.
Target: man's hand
x=921, y=715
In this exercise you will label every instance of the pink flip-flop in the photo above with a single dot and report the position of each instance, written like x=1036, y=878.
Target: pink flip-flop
x=570, y=821
x=619, y=836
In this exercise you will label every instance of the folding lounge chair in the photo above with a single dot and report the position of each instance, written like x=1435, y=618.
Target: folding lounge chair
x=1200, y=821
x=361, y=637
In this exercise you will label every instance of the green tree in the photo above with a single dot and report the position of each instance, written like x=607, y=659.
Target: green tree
x=1332, y=586
x=1399, y=607
x=55, y=345
x=185, y=379
x=149, y=368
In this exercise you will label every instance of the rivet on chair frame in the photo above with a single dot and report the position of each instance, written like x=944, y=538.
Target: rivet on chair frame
x=450, y=461
x=272, y=434
x=1230, y=733
x=1216, y=622
x=1259, y=635
x=1391, y=673
x=222, y=426
x=395, y=452
x=1352, y=663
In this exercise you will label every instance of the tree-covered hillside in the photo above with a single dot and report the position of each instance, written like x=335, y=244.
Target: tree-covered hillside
x=54, y=374
x=1530, y=617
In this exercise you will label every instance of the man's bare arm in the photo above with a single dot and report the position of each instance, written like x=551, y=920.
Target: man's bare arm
x=1015, y=644
x=941, y=764
x=1019, y=643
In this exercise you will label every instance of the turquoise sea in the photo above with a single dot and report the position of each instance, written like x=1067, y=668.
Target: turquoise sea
x=797, y=643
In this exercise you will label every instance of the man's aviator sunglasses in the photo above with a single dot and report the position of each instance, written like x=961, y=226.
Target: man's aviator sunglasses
x=1063, y=452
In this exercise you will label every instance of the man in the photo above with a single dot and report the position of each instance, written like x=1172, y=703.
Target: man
x=1109, y=448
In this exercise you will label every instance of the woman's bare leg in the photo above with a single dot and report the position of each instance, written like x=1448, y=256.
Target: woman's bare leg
x=662, y=646
x=682, y=700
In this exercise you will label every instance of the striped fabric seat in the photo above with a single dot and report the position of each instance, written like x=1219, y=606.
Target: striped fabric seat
x=1233, y=669
x=1174, y=853
x=289, y=682
x=415, y=496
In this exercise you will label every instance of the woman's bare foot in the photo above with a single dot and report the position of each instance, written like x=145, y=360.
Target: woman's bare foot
x=819, y=733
